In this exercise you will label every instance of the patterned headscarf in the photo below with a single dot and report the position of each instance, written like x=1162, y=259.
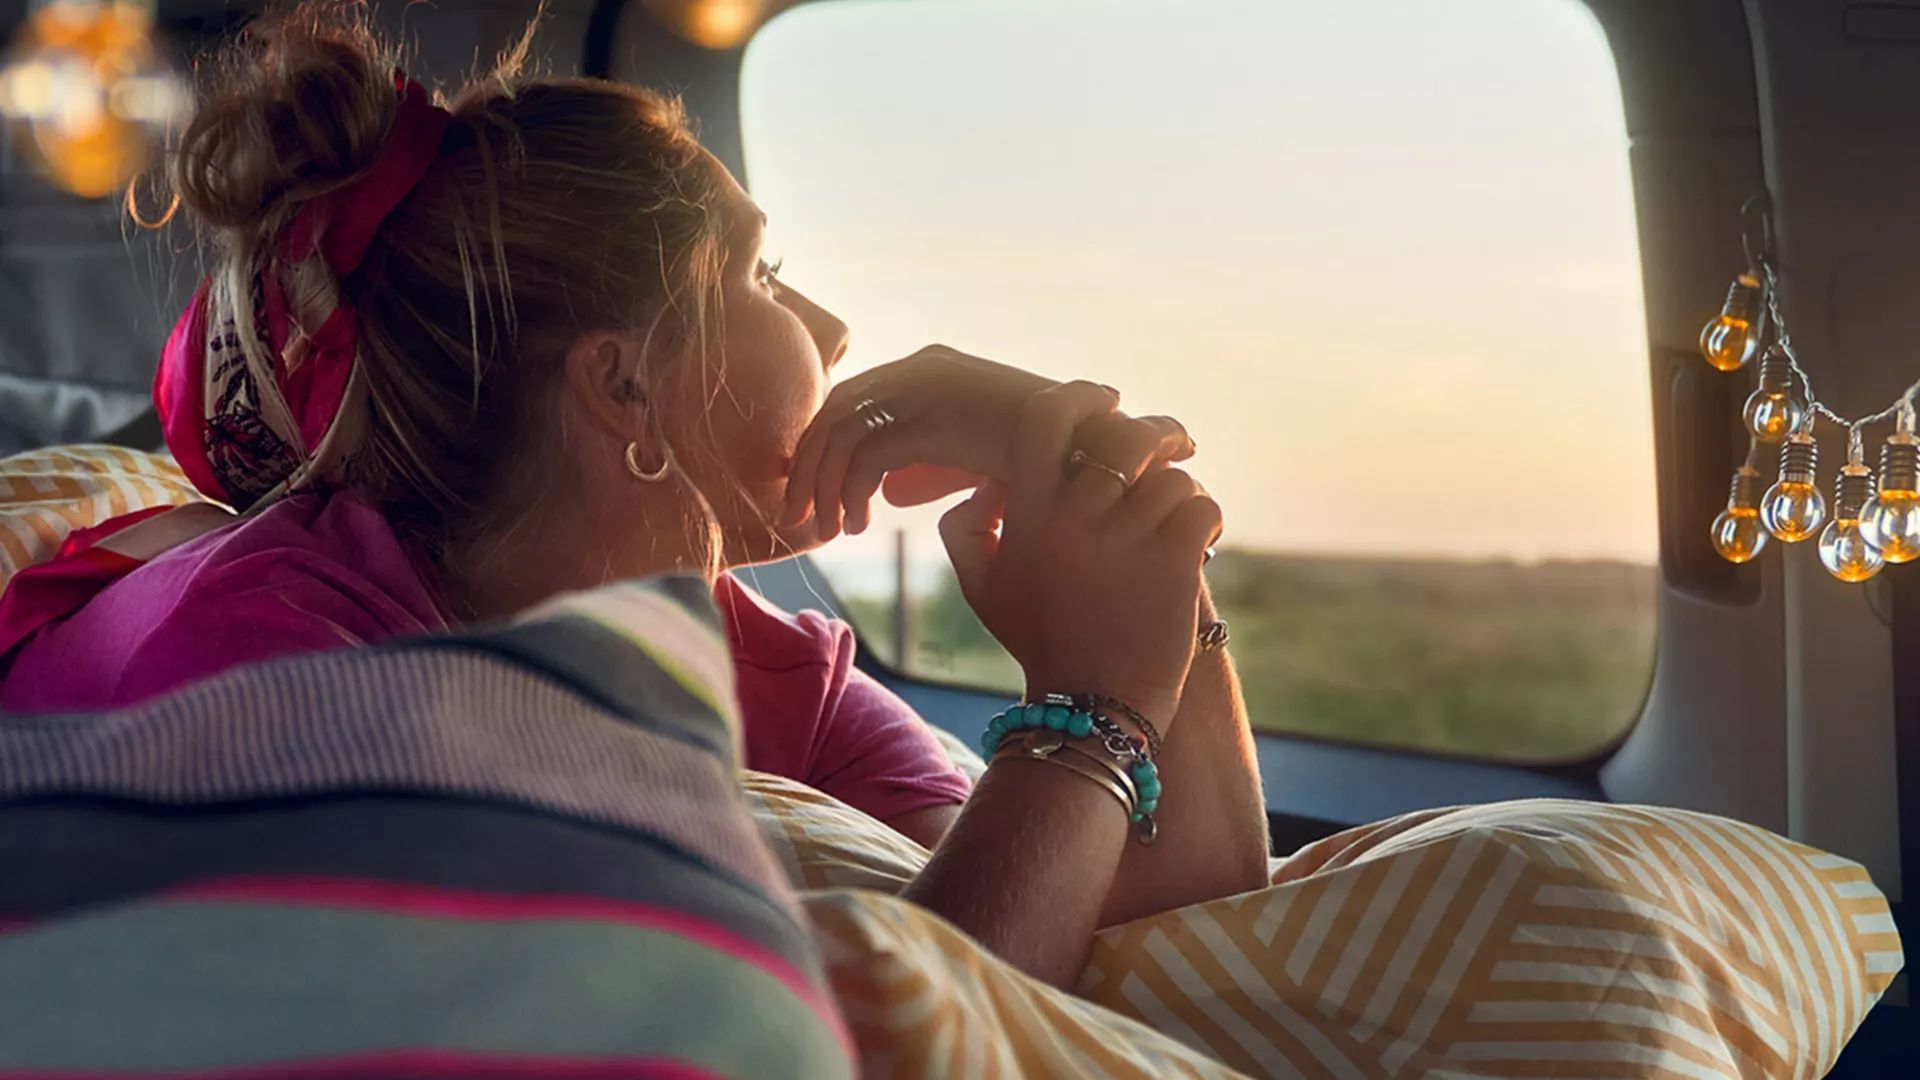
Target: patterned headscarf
x=249, y=425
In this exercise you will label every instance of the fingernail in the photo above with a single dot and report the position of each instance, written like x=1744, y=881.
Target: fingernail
x=1110, y=390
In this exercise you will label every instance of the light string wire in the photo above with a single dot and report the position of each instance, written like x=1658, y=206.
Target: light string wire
x=1783, y=341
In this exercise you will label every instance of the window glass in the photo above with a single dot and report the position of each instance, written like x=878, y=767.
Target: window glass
x=1379, y=257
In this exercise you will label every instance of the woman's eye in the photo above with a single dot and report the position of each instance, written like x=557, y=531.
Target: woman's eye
x=770, y=272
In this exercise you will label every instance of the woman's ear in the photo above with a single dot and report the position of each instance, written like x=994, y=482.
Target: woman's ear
x=602, y=378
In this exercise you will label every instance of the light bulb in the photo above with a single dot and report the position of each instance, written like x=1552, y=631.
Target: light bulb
x=1773, y=412
x=1843, y=546
x=1891, y=521
x=1794, y=509
x=1737, y=533
x=1730, y=340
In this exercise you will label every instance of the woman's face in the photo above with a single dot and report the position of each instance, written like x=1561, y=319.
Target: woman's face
x=768, y=379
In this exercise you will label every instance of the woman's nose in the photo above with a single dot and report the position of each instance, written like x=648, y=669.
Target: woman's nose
x=830, y=335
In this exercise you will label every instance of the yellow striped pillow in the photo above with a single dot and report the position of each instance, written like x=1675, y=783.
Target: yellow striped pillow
x=923, y=1000
x=1538, y=938
x=823, y=843
x=46, y=494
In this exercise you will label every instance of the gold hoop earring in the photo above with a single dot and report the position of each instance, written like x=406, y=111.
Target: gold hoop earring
x=653, y=476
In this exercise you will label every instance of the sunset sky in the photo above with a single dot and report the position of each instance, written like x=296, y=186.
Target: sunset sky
x=1379, y=255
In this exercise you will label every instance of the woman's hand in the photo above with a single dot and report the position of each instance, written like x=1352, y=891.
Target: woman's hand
x=954, y=418
x=1088, y=573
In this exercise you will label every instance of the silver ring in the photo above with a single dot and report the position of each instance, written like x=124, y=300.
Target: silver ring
x=873, y=414
x=1213, y=636
x=1082, y=459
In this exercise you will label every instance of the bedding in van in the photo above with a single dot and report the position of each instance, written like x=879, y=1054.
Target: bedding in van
x=1534, y=938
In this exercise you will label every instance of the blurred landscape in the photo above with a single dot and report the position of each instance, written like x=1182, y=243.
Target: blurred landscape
x=1534, y=662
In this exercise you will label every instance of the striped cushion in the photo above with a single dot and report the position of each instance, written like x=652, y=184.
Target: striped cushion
x=924, y=1000
x=1538, y=938
x=46, y=494
x=822, y=843
x=1521, y=939
x=520, y=852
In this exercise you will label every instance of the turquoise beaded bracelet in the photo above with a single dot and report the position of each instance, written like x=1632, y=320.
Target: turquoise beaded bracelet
x=1072, y=718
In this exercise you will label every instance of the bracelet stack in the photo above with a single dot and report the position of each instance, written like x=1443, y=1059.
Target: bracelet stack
x=1077, y=733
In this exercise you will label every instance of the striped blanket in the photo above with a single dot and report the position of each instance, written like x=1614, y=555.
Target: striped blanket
x=517, y=853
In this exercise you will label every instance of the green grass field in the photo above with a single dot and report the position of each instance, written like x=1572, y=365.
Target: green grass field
x=1542, y=662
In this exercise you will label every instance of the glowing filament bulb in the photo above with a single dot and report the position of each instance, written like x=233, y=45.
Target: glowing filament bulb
x=1794, y=509
x=1843, y=546
x=1737, y=533
x=1730, y=340
x=1891, y=521
x=1773, y=412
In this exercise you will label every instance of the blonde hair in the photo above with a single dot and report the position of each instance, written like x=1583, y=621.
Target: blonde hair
x=555, y=207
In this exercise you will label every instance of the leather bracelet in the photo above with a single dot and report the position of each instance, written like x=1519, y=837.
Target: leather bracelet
x=1132, y=716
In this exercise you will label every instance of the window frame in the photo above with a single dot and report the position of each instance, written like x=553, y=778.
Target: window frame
x=1582, y=769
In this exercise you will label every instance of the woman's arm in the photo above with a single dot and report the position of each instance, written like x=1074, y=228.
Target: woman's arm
x=1027, y=867
x=1092, y=583
x=926, y=827
x=1213, y=814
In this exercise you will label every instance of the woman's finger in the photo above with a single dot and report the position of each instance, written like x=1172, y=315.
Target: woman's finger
x=970, y=532
x=895, y=388
x=890, y=384
x=919, y=484
x=830, y=475
x=1043, y=440
x=1132, y=445
x=842, y=402
x=1155, y=498
x=1193, y=527
x=1121, y=451
x=879, y=454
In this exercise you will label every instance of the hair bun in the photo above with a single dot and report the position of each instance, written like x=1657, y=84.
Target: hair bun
x=299, y=106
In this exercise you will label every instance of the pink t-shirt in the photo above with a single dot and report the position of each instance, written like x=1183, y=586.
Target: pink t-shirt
x=326, y=572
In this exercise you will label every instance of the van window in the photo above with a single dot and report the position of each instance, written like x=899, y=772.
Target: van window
x=1380, y=258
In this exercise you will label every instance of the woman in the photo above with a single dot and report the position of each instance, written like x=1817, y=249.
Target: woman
x=451, y=363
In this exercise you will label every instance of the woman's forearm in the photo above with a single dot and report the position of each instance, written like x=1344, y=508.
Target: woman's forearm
x=1027, y=867
x=1213, y=820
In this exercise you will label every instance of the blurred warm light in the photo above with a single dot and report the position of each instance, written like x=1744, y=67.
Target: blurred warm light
x=85, y=78
x=713, y=24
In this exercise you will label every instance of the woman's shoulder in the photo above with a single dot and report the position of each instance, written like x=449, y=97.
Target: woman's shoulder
x=764, y=635
x=309, y=573
x=328, y=542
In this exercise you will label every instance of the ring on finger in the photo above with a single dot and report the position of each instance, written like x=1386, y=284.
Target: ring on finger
x=873, y=414
x=1080, y=459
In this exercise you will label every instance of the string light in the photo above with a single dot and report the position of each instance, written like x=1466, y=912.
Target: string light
x=1794, y=509
x=1772, y=413
x=1869, y=528
x=1738, y=534
x=1729, y=341
x=1844, y=549
x=1892, y=521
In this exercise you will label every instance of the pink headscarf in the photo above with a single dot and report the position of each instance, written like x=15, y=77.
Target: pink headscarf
x=249, y=426
x=247, y=431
